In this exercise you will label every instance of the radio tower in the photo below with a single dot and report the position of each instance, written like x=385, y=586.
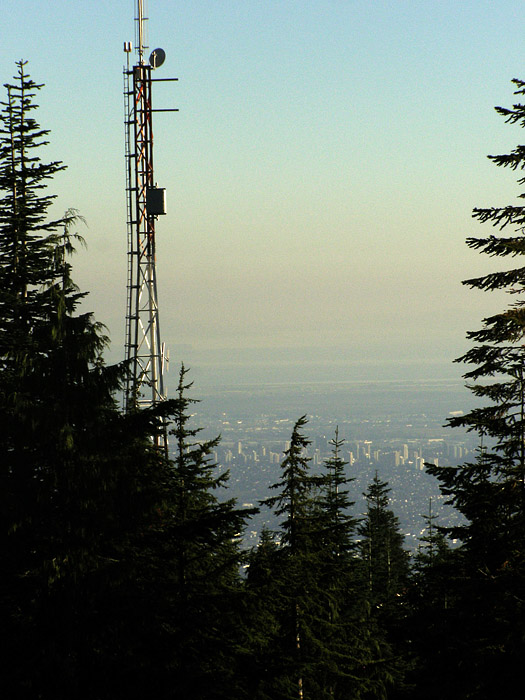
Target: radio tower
x=144, y=351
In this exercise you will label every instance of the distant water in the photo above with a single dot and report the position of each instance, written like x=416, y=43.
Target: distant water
x=229, y=367
x=292, y=382
x=336, y=400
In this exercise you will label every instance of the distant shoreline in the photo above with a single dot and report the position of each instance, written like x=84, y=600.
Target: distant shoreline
x=212, y=375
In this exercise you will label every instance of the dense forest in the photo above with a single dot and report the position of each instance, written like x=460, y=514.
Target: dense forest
x=123, y=572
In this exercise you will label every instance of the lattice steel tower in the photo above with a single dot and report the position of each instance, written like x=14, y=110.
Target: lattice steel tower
x=145, y=202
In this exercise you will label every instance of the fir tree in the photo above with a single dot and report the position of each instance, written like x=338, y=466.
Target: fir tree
x=47, y=355
x=433, y=549
x=306, y=605
x=430, y=616
x=336, y=504
x=293, y=503
x=356, y=660
x=262, y=662
x=204, y=570
x=381, y=547
x=490, y=491
x=78, y=483
x=385, y=570
x=283, y=587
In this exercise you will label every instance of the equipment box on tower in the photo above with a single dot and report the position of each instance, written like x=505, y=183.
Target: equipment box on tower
x=156, y=200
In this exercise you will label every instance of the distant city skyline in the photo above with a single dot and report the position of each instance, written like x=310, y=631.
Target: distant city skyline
x=391, y=428
x=320, y=174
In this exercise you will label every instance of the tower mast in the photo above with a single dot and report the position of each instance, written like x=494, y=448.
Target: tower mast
x=144, y=351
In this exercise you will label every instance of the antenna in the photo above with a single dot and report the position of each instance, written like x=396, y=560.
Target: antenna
x=144, y=351
x=157, y=58
x=140, y=27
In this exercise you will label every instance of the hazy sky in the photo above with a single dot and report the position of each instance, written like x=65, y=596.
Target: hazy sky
x=320, y=174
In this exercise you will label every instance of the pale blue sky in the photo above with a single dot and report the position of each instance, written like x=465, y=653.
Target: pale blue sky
x=320, y=173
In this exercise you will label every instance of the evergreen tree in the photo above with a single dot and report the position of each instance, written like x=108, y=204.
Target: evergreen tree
x=336, y=504
x=357, y=664
x=205, y=558
x=381, y=546
x=385, y=570
x=310, y=635
x=28, y=239
x=288, y=651
x=262, y=661
x=432, y=557
x=293, y=503
x=79, y=483
x=430, y=616
x=490, y=491
x=432, y=552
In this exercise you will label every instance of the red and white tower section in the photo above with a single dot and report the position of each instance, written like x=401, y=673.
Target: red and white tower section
x=144, y=350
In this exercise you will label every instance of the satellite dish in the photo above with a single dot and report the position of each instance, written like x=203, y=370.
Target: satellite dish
x=157, y=58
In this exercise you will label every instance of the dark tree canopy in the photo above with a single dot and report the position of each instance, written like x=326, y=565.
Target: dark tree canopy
x=109, y=551
x=489, y=566
x=312, y=636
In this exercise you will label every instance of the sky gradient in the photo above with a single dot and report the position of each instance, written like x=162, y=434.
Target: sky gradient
x=320, y=174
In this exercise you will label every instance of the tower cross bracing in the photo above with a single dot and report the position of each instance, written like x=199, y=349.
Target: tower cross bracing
x=144, y=351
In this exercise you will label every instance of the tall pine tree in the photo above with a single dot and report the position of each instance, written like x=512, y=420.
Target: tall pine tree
x=356, y=657
x=307, y=610
x=79, y=484
x=292, y=667
x=385, y=570
x=381, y=546
x=490, y=491
x=203, y=558
x=431, y=613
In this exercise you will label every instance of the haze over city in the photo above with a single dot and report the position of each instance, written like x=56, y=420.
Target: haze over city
x=320, y=173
